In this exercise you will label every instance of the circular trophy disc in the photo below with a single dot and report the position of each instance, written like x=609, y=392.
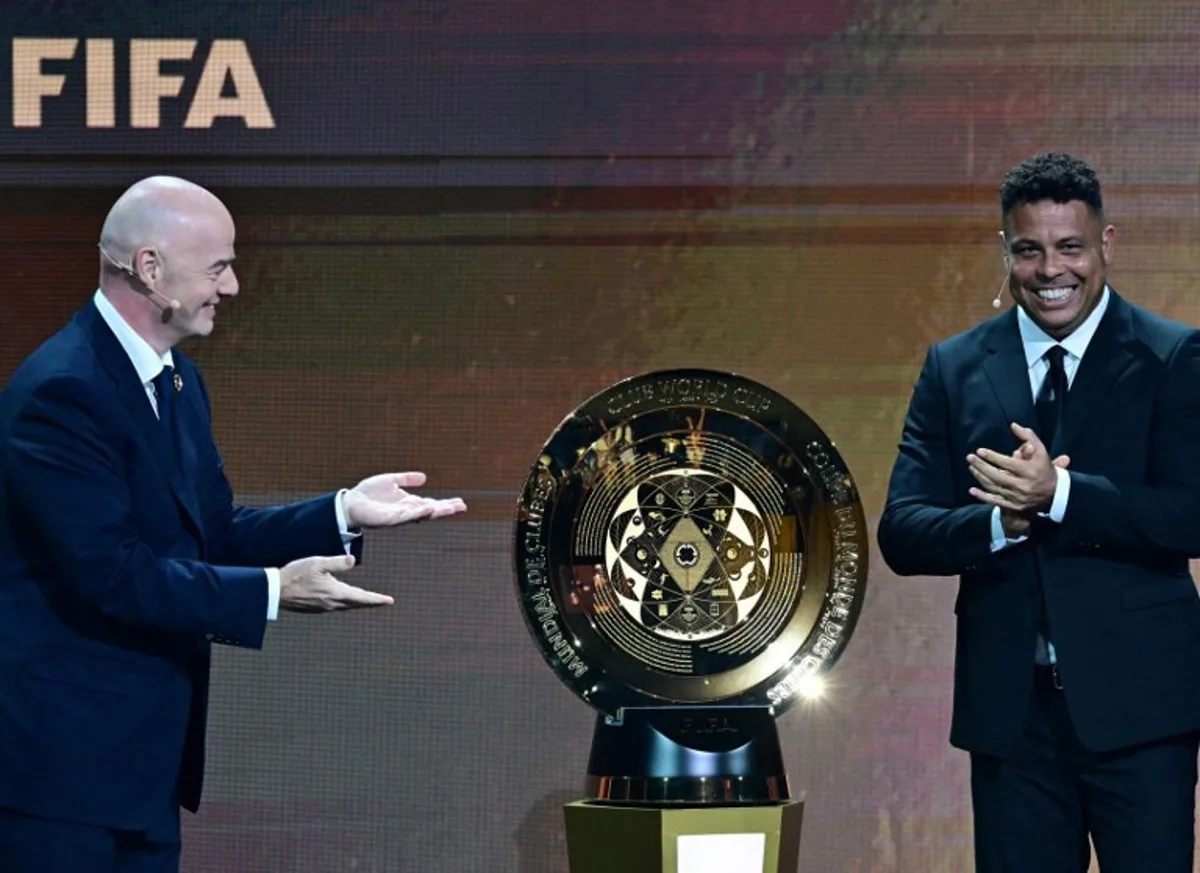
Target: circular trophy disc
x=690, y=537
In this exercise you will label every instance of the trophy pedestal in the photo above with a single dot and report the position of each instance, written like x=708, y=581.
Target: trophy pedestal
x=682, y=789
x=604, y=838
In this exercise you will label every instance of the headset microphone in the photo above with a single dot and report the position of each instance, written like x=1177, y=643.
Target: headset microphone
x=168, y=306
x=170, y=309
x=1007, y=273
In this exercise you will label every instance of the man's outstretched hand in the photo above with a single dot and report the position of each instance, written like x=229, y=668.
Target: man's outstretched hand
x=384, y=501
x=309, y=585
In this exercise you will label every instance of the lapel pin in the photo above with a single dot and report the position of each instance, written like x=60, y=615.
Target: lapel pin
x=178, y=382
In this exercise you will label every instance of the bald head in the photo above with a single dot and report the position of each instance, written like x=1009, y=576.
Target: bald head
x=166, y=255
x=156, y=212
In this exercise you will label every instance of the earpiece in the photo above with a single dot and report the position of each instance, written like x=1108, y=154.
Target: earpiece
x=168, y=306
x=1007, y=272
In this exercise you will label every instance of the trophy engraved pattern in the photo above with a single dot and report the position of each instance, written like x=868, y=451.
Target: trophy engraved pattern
x=689, y=537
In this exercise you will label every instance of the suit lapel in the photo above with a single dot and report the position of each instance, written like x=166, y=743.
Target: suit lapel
x=1109, y=355
x=149, y=431
x=1008, y=372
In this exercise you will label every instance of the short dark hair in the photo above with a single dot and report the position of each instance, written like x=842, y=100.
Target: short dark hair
x=1053, y=176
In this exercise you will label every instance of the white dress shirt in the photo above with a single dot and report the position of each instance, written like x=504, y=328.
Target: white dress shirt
x=1036, y=343
x=148, y=364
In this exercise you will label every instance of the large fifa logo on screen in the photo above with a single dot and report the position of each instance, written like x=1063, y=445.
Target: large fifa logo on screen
x=227, y=85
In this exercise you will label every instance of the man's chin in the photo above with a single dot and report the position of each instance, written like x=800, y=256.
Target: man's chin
x=200, y=326
x=1053, y=321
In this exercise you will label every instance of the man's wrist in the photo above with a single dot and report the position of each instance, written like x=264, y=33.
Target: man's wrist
x=1014, y=526
x=274, y=586
x=1055, y=507
x=1002, y=536
x=342, y=511
x=1062, y=493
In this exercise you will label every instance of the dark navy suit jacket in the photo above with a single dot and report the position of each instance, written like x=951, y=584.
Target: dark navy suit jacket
x=1122, y=608
x=122, y=559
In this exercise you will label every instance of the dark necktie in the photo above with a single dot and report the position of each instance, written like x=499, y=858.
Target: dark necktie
x=1052, y=398
x=164, y=391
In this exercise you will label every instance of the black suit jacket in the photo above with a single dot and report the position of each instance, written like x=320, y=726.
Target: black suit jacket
x=122, y=559
x=1122, y=608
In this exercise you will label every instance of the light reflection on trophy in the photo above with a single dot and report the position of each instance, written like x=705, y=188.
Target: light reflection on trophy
x=691, y=558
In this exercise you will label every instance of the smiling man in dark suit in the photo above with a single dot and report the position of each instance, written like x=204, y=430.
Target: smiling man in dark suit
x=1051, y=459
x=123, y=558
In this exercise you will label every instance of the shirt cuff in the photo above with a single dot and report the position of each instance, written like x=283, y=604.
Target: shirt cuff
x=348, y=536
x=999, y=539
x=1062, y=491
x=272, y=593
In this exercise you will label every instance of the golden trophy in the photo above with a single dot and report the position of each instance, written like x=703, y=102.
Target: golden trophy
x=691, y=558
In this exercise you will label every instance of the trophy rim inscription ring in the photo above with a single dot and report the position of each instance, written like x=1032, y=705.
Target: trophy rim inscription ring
x=751, y=453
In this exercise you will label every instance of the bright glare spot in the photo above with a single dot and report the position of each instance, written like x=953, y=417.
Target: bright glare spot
x=811, y=687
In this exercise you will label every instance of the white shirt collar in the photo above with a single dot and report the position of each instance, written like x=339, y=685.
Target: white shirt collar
x=146, y=361
x=1037, y=342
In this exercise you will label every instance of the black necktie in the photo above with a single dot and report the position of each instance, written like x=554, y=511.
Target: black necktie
x=164, y=390
x=1052, y=397
x=1051, y=400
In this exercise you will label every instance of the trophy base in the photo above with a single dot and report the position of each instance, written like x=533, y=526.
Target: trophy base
x=687, y=756
x=603, y=838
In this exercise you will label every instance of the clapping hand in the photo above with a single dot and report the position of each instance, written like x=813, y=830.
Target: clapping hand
x=1020, y=484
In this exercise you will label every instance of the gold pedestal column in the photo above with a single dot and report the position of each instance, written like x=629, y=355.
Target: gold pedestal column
x=608, y=838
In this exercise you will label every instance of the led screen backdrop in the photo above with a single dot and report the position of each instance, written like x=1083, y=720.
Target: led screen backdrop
x=457, y=220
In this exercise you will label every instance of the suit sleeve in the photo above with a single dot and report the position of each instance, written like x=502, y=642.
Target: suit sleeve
x=272, y=536
x=1163, y=512
x=923, y=530
x=267, y=537
x=68, y=483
